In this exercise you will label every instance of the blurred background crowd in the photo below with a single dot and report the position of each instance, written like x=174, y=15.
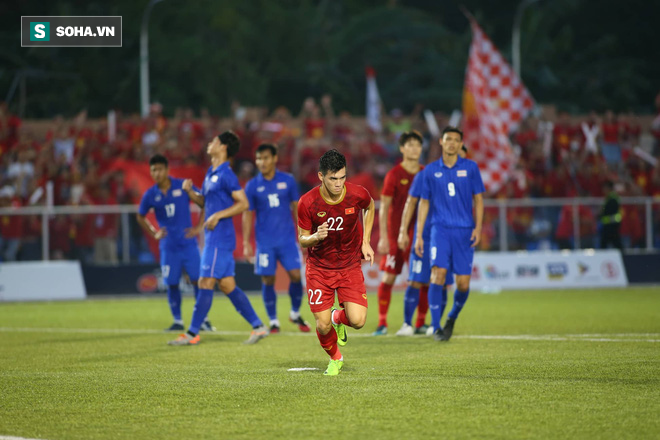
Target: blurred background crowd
x=559, y=156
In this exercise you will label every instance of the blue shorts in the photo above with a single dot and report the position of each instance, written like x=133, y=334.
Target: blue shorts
x=451, y=248
x=266, y=258
x=172, y=261
x=217, y=263
x=420, y=268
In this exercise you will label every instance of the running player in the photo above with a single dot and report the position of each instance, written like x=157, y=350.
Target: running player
x=392, y=200
x=273, y=196
x=454, y=185
x=176, y=236
x=420, y=268
x=222, y=198
x=329, y=226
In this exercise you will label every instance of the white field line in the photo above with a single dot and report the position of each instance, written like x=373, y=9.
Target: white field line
x=5, y=437
x=587, y=337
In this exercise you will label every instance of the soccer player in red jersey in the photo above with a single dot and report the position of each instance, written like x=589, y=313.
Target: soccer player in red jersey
x=392, y=200
x=329, y=227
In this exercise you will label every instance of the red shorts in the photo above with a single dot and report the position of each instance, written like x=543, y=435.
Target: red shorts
x=393, y=261
x=321, y=286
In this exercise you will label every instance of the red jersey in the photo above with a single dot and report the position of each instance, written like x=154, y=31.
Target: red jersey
x=342, y=248
x=396, y=185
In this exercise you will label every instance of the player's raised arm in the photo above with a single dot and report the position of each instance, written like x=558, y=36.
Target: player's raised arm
x=307, y=239
x=369, y=216
x=422, y=213
x=407, y=215
x=383, y=242
x=196, y=197
x=478, y=200
x=240, y=205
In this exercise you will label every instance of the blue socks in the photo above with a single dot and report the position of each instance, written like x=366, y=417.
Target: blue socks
x=437, y=304
x=242, y=304
x=196, y=288
x=459, y=301
x=270, y=300
x=296, y=294
x=202, y=307
x=174, y=299
x=410, y=302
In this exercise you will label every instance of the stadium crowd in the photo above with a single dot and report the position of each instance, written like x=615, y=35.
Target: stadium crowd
x=559, y=155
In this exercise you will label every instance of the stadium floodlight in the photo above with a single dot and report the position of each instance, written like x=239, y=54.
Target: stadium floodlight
x=515, y=37
x=144, y=58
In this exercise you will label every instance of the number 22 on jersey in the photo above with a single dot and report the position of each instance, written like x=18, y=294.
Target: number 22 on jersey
x=339, y=221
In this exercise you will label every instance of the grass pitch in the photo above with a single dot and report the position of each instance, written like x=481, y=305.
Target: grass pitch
x=563, y=364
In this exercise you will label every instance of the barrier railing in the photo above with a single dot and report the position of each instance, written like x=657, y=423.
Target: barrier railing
x=503, y=230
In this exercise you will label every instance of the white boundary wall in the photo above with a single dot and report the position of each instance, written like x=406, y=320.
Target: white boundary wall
x=533, y=270
x=39, y=281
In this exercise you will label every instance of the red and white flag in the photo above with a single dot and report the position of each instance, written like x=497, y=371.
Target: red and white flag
x=373, y=101
x=494, y=101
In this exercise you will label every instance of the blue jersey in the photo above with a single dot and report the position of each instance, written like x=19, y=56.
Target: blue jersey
x=172, y=212
x=416, y=191
x=217, y=189
x=450, y=191
x=271, y=199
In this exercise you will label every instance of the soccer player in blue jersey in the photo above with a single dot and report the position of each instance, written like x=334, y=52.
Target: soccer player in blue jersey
x=176, y=236
x=452, y=189
x=222, y=198
x=273, y=196
x=419, y=272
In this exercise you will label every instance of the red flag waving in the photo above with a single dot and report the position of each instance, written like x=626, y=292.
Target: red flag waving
x=494, y=102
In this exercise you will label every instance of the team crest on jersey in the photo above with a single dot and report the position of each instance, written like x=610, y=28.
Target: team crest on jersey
x=261, y=188
x=158, y=197
x=438, y=174
x=281, y=185
x=214, y=178
x=321, y=214
x=349, y=210
x=461, y=173
x=404, y=181
x=176, y=193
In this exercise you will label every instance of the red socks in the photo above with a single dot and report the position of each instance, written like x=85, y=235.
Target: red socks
x=384, y=298
x=339, y=317
x=329, y=343
x=423, y=306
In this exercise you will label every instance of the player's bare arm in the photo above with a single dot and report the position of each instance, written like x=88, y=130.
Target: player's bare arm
x=422, y=213
x=478, y=200
x=383, y=241
x=149, y=228
x=369, y=216
x=294, y=209
x=198, y=228
x=403, y=240
x=246, y=223
x=240, y=205
x=307, y=239
x=196, y=197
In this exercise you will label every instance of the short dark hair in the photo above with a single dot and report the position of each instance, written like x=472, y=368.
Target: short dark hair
x=267, y=147
x=464, y=148
x=450, y=129
x=331, y=162
x=609, y=185
x=408, y=135
x=158, y=158
x=232, y=142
